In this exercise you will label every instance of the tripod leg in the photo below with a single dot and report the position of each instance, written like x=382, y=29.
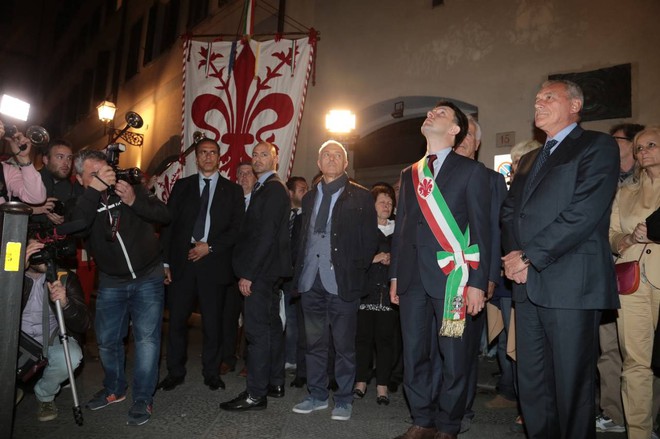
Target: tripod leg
x=77, y=412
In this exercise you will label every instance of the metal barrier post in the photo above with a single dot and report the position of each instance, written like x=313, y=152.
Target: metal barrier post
x=13, y=223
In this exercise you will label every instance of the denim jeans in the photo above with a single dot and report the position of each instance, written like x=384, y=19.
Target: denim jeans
x=56, y=372
x=141, y=302
x=329, y=321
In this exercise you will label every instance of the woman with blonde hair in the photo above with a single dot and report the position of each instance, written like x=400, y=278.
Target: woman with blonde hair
x=638, y=198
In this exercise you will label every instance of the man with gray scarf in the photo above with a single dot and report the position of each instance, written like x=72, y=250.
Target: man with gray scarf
x=338, y=242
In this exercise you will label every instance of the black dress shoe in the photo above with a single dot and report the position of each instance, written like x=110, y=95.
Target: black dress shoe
x=358, y=393
x=244, y=402
x=276, y=391
x=299, y=382
x=383, y=400
x=170, y=382
x=214, y=383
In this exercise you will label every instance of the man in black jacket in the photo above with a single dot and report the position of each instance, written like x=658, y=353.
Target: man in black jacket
x=339, y=237
x=260, y=262
x=119, y=234
x=36, y=290
x=60, y=190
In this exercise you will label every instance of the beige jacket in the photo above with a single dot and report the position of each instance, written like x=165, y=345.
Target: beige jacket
x=633, y=203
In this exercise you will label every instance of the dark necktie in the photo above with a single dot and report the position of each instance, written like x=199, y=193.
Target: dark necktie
x=540, y=161
x=292, y=218
x=431, y=159
x=256, y=187
x=200, y=222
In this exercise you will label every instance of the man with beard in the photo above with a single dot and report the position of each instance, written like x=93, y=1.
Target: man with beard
x=56, y=174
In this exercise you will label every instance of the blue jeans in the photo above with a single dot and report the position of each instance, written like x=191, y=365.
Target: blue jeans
x=141, y=301
x=56, y=372
x=291, y=333
x=330, y=320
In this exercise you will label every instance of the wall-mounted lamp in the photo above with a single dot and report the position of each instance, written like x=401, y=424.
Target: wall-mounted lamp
x=398, y=110
x=341, y=124
x=340, y=121
x=107, y=110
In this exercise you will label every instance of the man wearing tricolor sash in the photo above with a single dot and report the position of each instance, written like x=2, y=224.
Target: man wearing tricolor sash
x=439, y=270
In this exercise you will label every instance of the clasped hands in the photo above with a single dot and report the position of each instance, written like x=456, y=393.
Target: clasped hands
x=514, y=267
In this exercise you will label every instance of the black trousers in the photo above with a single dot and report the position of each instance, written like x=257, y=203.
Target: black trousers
x=232, y=309
x=182, y=296
x=557, y=350
x=436, y=368
x=376, y=329
x=265, y=337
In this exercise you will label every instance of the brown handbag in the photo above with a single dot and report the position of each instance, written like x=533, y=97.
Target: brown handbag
x=627, y=275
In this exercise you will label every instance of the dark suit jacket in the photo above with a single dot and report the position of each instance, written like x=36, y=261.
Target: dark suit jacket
x=265, y=248
x=561, y=222
x=464, y=184
x=497, y=196
x=353, y=242
x=226, y=213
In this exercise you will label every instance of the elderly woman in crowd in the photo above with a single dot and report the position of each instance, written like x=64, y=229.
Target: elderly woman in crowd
x=637, y=198
x=377, y=320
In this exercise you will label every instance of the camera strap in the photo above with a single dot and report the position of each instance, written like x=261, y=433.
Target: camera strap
x=113, y=217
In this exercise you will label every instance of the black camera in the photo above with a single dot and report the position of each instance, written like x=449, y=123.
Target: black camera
x=58, y=207
x=130, y=175
x=54, y=250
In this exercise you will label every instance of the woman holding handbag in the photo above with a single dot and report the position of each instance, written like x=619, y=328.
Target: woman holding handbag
x=638, y=197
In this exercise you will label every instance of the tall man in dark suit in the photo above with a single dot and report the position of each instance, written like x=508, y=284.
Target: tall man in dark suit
x=555, y=224
x=207, y=210
x=260, y=263
x=439, y=268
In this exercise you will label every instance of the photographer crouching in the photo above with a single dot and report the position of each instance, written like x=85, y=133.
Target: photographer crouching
x=39, y=321
x=120, y=235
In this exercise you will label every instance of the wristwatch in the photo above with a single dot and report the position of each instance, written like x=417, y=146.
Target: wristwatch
x=524, y=258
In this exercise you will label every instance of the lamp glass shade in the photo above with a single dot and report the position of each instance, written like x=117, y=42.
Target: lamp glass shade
x=106, y=111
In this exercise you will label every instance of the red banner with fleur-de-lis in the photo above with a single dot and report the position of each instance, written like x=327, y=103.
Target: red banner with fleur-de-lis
x=239, y=94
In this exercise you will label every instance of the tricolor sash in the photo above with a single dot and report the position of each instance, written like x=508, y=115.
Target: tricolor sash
x=456, y=254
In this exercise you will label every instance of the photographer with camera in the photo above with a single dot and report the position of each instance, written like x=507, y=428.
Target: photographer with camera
x=18, y=177
x=120, y=235
x=39, y=297
x=56, y=177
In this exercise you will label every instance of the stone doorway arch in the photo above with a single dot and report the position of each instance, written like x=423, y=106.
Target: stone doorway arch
x=386, y=144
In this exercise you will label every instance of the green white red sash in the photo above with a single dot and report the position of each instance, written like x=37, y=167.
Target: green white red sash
x=457, y=253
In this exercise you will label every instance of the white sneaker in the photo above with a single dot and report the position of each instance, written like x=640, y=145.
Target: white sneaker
x=607, y=425
x=309, y=405
x=342, y=412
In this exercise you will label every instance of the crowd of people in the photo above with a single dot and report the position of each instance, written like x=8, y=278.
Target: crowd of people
x=347, y=285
